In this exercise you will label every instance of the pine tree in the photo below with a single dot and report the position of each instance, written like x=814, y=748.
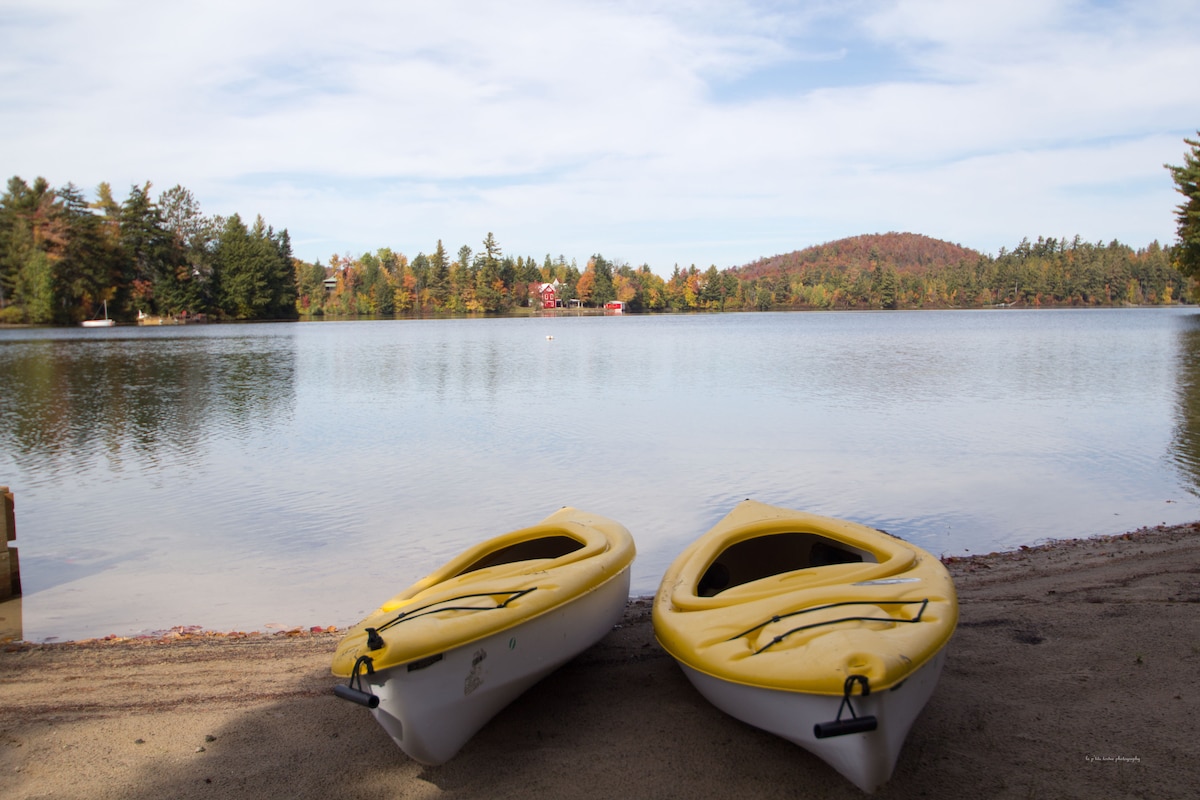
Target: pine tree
x=1187, y=215
x=602, y=286
x=88, y=266
x=242, y=271
x=283, y=278
x=15, y=243
x=189, y=282
x=489, y=286
x=439, y=276
x=145, y=247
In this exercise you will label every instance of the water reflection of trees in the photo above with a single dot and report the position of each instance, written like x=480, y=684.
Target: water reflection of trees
x=1186, y=447
x=137, y=403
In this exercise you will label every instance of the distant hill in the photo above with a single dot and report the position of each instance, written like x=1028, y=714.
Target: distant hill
x=907, y=253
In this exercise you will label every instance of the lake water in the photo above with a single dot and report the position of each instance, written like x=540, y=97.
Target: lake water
x=250, y=477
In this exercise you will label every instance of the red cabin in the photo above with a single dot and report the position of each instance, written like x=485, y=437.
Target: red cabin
x=549, y=294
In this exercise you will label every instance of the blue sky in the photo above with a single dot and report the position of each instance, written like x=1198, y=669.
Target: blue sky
x=657, y=133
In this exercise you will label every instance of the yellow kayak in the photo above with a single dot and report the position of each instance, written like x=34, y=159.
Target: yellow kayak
x=823, y=631
x=438, y=660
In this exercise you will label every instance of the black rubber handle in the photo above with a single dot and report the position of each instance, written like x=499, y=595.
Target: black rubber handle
x=842, y=727
x=355, y=696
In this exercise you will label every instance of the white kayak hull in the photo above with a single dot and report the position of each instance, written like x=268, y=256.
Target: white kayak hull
x=432, y=710
x=865, y=759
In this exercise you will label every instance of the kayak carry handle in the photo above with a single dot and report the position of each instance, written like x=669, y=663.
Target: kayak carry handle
x=843, y=727
x=356, y=696
x=353, y=689
x=856, y=724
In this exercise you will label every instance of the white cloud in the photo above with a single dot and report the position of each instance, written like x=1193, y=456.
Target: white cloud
x=702, y=132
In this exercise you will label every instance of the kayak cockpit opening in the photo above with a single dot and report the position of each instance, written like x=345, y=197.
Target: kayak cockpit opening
x=774, y=554
x=542, y=547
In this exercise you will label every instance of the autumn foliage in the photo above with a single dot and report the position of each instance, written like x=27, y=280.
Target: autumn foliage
x=61, y=257
x=906, y=270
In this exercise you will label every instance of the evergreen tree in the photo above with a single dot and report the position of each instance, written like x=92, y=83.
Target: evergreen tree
x=245, y=265
x=189, y=281
x=489, y=287
x=491, y=250
x=439, y=276
x=420, y=273
x=283, y=278
x=87, y=269
x=34, y=288
x=462, y=282
x=602, y=285
x=508, y=282
x=1187, y=215
x=384, y=298
x=888, y=286
x=27, y=219
x=54, y=265
x=15, y=244
x=145, y=250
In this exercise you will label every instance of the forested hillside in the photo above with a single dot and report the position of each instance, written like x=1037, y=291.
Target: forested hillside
x=905, y=270
x=908, y=253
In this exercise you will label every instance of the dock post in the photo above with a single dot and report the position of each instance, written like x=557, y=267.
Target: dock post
x=10, y=569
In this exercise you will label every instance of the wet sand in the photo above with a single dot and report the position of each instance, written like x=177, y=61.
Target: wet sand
x=1072, y=674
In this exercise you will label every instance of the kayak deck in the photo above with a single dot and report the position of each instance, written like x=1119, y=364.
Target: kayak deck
x=797, y=602
x=493, y=586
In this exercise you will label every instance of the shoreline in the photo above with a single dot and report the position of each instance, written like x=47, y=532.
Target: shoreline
x=201, y=633
x=524, y=312
x=956, y=564
x=1070, y=675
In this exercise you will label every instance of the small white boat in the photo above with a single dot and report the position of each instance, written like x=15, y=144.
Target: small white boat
x=440, y=659
x=104, y=322
x=827, y=633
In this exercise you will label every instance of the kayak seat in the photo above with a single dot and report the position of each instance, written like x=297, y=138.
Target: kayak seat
x=543, y=547
x=774, y=554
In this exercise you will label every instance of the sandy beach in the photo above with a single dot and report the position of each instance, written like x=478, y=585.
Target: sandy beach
x=1072, y=674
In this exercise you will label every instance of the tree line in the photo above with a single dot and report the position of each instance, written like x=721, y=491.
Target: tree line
x=1048, y=272
x=386, y=282
x=62, y=258
x=880, y=271
x=872, y=272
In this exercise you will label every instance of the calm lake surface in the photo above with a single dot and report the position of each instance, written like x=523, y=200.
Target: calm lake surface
x=245, y=477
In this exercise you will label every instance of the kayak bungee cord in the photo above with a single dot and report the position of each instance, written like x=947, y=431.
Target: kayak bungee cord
x=354, y=691
x=779, y=617
x=375, y=641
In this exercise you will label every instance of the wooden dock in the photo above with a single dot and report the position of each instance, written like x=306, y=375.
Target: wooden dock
x=11, y=618
x=10, y=569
